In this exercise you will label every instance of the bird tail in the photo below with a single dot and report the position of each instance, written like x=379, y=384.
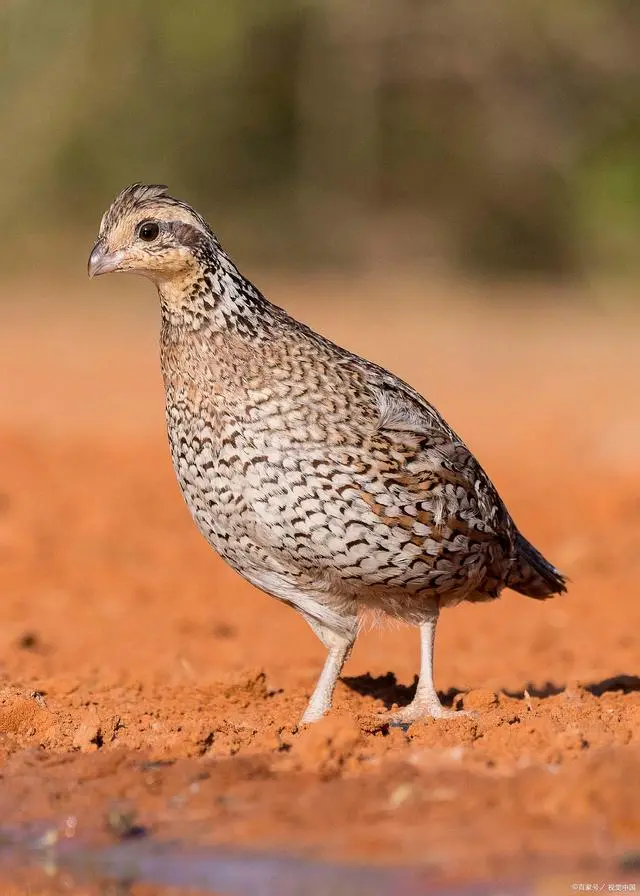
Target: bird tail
x=532, y=575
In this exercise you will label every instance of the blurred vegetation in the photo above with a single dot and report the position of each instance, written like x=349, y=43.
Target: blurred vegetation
x=496, y=136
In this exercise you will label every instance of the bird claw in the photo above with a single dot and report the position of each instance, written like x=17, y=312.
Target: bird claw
x=313, y=714
x=406, y=716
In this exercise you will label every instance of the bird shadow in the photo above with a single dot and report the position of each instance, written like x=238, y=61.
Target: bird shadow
x=627, y=684
x=387, y=689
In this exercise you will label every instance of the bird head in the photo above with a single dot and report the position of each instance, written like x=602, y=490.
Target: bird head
x=145, y=231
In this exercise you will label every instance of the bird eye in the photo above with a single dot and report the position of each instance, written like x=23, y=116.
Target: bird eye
x=148, y=231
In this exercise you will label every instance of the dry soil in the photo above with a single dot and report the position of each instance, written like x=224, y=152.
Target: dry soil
x=144, y=682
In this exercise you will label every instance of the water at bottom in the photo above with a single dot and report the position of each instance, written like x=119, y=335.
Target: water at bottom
x=40, y=864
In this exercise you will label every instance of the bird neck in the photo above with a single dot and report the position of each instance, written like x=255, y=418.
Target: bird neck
x=215, y=297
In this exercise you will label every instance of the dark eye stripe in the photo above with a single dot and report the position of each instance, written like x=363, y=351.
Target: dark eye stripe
x=186, y=234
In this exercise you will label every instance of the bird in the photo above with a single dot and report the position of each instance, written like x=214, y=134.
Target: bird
x=320, y=477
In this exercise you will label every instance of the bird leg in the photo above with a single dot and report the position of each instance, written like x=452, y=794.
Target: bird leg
x=426, y=701
x=339, y=649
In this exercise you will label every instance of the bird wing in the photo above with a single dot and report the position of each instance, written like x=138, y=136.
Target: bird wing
x=429, y=474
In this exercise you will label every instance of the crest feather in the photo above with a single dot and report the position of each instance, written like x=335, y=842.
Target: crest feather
x=136, y=196
x=130, y=198
x=141, y=192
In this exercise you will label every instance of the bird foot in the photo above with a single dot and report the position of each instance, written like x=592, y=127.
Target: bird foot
x=417, y=711
x=313, y=714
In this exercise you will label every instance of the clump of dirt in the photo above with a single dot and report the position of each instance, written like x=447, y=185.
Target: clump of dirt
x=330, y=746
x=25, y=719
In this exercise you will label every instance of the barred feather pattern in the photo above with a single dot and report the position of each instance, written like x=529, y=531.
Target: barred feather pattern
x=321, y=477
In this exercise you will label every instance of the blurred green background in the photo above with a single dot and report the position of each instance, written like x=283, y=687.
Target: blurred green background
x=478, y=136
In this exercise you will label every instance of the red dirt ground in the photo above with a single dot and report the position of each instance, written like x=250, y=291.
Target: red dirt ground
x=138, y=671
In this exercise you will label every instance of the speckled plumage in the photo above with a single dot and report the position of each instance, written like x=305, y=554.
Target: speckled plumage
x=320, y=477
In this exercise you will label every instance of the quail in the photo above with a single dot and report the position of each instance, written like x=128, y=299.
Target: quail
x=322, y=478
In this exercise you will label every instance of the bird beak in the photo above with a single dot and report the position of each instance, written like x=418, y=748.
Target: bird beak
x=103, y=262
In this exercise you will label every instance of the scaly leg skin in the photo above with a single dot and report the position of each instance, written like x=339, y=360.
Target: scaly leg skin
x=426, y=702
x=339, y=649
